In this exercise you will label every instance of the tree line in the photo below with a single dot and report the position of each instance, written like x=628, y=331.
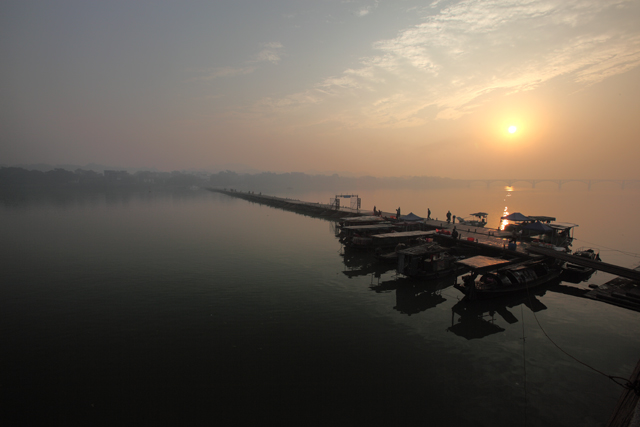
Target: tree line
x=263, y=182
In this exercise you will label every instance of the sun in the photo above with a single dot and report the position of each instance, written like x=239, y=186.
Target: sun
x=512, y=129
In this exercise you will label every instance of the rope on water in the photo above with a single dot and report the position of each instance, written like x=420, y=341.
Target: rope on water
x=622, y=382
x=631, y=254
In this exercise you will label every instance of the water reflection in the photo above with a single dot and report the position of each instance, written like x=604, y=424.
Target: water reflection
x=415, y=297
x=477, y=319
x=363, y=264
x=505, y=212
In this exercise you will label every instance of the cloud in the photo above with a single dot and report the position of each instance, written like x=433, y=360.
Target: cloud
x=218, y=72
x=366, y=10
x=271, y=52
x=460, y=54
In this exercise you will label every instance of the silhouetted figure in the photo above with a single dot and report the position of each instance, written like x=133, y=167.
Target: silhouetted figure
x=428, y=213
x=448, y=216
x=454, y=234
x=398, y=213
x=454, y=219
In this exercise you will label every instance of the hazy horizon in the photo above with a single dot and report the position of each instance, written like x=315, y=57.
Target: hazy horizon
x=369, y=88
x=246, y=170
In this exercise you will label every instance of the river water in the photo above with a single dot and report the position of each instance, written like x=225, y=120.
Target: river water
x=194, y=307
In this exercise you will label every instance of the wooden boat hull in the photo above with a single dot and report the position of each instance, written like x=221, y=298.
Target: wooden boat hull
x=472, y=292
x=576, y=274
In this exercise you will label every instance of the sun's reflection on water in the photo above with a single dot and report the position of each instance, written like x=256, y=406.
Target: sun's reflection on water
x=504, y=222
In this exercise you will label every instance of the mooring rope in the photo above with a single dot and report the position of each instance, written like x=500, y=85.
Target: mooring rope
x=608, y=249
x=622, y=382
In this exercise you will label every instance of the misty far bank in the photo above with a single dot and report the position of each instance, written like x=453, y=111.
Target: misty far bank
x=18, y=178
x=15, y=177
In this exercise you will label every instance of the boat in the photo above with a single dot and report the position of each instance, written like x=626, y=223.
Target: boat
x=362, y=233
x=380, y=242
x=575, y=273
x=428, y=261
x=481, y=220
x=554, y=235
x=499, y=277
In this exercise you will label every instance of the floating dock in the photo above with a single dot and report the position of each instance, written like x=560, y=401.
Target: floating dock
x=623, y=291
x=324, y=210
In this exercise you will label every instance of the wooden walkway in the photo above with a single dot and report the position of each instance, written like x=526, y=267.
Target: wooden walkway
x=619, y=291
x=306, y=208
x=478, y=237
x=598, y=265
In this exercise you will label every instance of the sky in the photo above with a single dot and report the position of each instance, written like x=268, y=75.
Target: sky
x=370, y=87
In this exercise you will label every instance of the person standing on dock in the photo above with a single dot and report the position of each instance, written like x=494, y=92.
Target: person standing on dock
x=454, y=219
x=448, y=216
x=375, y=213
x=454, y=234
x=398, y=213
x=428, y=213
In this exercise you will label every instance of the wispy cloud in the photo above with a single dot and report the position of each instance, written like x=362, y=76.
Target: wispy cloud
x=271, y=52
x=462, y=53
x=218, y=72
x=365, y=10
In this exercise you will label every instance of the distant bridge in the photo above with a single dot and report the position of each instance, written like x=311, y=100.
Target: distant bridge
x=560, y=182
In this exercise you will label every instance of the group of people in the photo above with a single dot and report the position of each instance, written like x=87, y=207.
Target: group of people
x=449, y=217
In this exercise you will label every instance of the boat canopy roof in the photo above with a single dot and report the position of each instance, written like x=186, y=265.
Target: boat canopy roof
x=516, y=216
x=479, y=214
x=411, y=217
x=482, y=262
x=562, y=225
x=403, y=234
x=538, y=226
x=542, y=218
x=427, y=249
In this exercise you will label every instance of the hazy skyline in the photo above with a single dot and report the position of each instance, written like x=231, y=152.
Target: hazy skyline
x=371, y=87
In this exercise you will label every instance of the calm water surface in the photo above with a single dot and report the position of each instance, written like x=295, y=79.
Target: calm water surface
x=160, y=308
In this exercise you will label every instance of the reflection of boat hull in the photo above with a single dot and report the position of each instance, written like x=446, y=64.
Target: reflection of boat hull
x=427, y=262
x=575, y=273
x=508, y=280
x=477, y=318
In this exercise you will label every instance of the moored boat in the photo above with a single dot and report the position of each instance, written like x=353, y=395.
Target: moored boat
x=575, y=273
x=428, y=261
x=479, y=219
x=499, y=277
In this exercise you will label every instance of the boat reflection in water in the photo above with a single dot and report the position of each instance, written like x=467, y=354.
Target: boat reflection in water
x=477, y=319
x=415, y=296
x=574, y=273
x=363, y=264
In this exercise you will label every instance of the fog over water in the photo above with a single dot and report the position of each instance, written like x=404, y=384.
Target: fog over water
x=138, y=308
